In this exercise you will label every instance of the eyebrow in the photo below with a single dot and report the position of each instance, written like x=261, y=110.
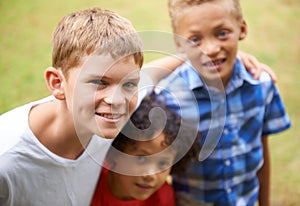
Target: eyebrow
x=97, y=76
x=143, y=152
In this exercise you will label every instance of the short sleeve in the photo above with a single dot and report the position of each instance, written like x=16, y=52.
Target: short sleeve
x=275, y=119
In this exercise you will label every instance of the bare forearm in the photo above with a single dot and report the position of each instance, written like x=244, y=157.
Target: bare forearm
x=160, y=68
x=255, y=67
x=264, y=176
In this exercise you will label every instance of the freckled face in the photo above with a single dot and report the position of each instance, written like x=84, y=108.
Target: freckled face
x=151, y=172
x=102, y=95
x=213, y=33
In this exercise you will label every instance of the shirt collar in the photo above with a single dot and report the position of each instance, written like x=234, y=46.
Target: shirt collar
x=238, y=77
x=194, y=80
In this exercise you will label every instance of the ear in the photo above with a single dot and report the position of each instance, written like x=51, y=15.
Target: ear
x=244, y=30
x=54, y=80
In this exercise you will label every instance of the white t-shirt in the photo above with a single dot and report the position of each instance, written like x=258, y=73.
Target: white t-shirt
x=32, y=175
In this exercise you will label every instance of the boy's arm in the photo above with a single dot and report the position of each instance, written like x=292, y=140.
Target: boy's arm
x=255, y=67
x=160, y=68
x=264, y=175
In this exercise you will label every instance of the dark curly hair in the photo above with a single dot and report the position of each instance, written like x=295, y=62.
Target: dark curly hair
x=152, y=116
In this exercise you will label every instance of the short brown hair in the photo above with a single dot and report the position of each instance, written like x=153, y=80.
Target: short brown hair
x=84, y=32
x=176, y=8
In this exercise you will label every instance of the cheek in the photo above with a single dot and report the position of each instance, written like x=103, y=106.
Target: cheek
x=162, y=177
x=125, y=181
x=231, y=45
x=84, y=96
x=124, y=164
x=121, y=166
x=84, y=103
x=132, y=102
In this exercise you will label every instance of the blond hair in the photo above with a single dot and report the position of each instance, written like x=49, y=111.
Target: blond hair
x=177, y=7
x=93, y=30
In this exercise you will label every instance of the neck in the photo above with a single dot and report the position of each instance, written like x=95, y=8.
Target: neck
x=55, y=130
x=218, y=84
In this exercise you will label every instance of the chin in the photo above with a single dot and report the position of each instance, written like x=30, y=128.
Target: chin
x=109, y=133
x=111, y=130
x=143, y=198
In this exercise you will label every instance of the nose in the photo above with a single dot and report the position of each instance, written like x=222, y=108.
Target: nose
x=150, y=174
x=210, y=47
x=115, y=96
x=149, y=177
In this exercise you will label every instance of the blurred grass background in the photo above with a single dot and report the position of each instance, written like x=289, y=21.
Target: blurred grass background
x=25, y=51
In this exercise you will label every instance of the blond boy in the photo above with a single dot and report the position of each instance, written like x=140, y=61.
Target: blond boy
x=51, y=149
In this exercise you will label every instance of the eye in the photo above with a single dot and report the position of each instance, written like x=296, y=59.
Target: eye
x=130, y=84
x=223, y=34
x=195, y=40
x=164, y=164
x=99, y=83
x=141, y=159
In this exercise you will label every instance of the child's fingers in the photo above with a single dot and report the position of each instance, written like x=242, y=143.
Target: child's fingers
x=254, y=67
x=272, y=74
x=251, y=63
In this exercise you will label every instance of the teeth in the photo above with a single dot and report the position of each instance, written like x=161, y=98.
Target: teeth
x=111, y=116
x=209, y=64
x=214, y=63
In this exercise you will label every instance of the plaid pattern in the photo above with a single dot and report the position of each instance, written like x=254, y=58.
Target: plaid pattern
x=232, y=125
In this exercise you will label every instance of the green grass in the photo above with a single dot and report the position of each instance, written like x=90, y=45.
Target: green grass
x=25, y=51
x=273, y=38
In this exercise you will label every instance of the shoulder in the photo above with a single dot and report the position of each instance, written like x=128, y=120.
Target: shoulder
x=20, y=114
x=265, y=78
x=13, y=124
x=243, y=78
x=240, y=71
x=267, y=86
x=184, y=77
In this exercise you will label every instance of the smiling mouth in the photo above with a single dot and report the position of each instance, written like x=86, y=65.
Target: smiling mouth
x=144, y=187
x=110, y=117
x=214, y=65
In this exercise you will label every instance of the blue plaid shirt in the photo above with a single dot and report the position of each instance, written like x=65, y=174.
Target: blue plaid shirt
x=232, y=125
